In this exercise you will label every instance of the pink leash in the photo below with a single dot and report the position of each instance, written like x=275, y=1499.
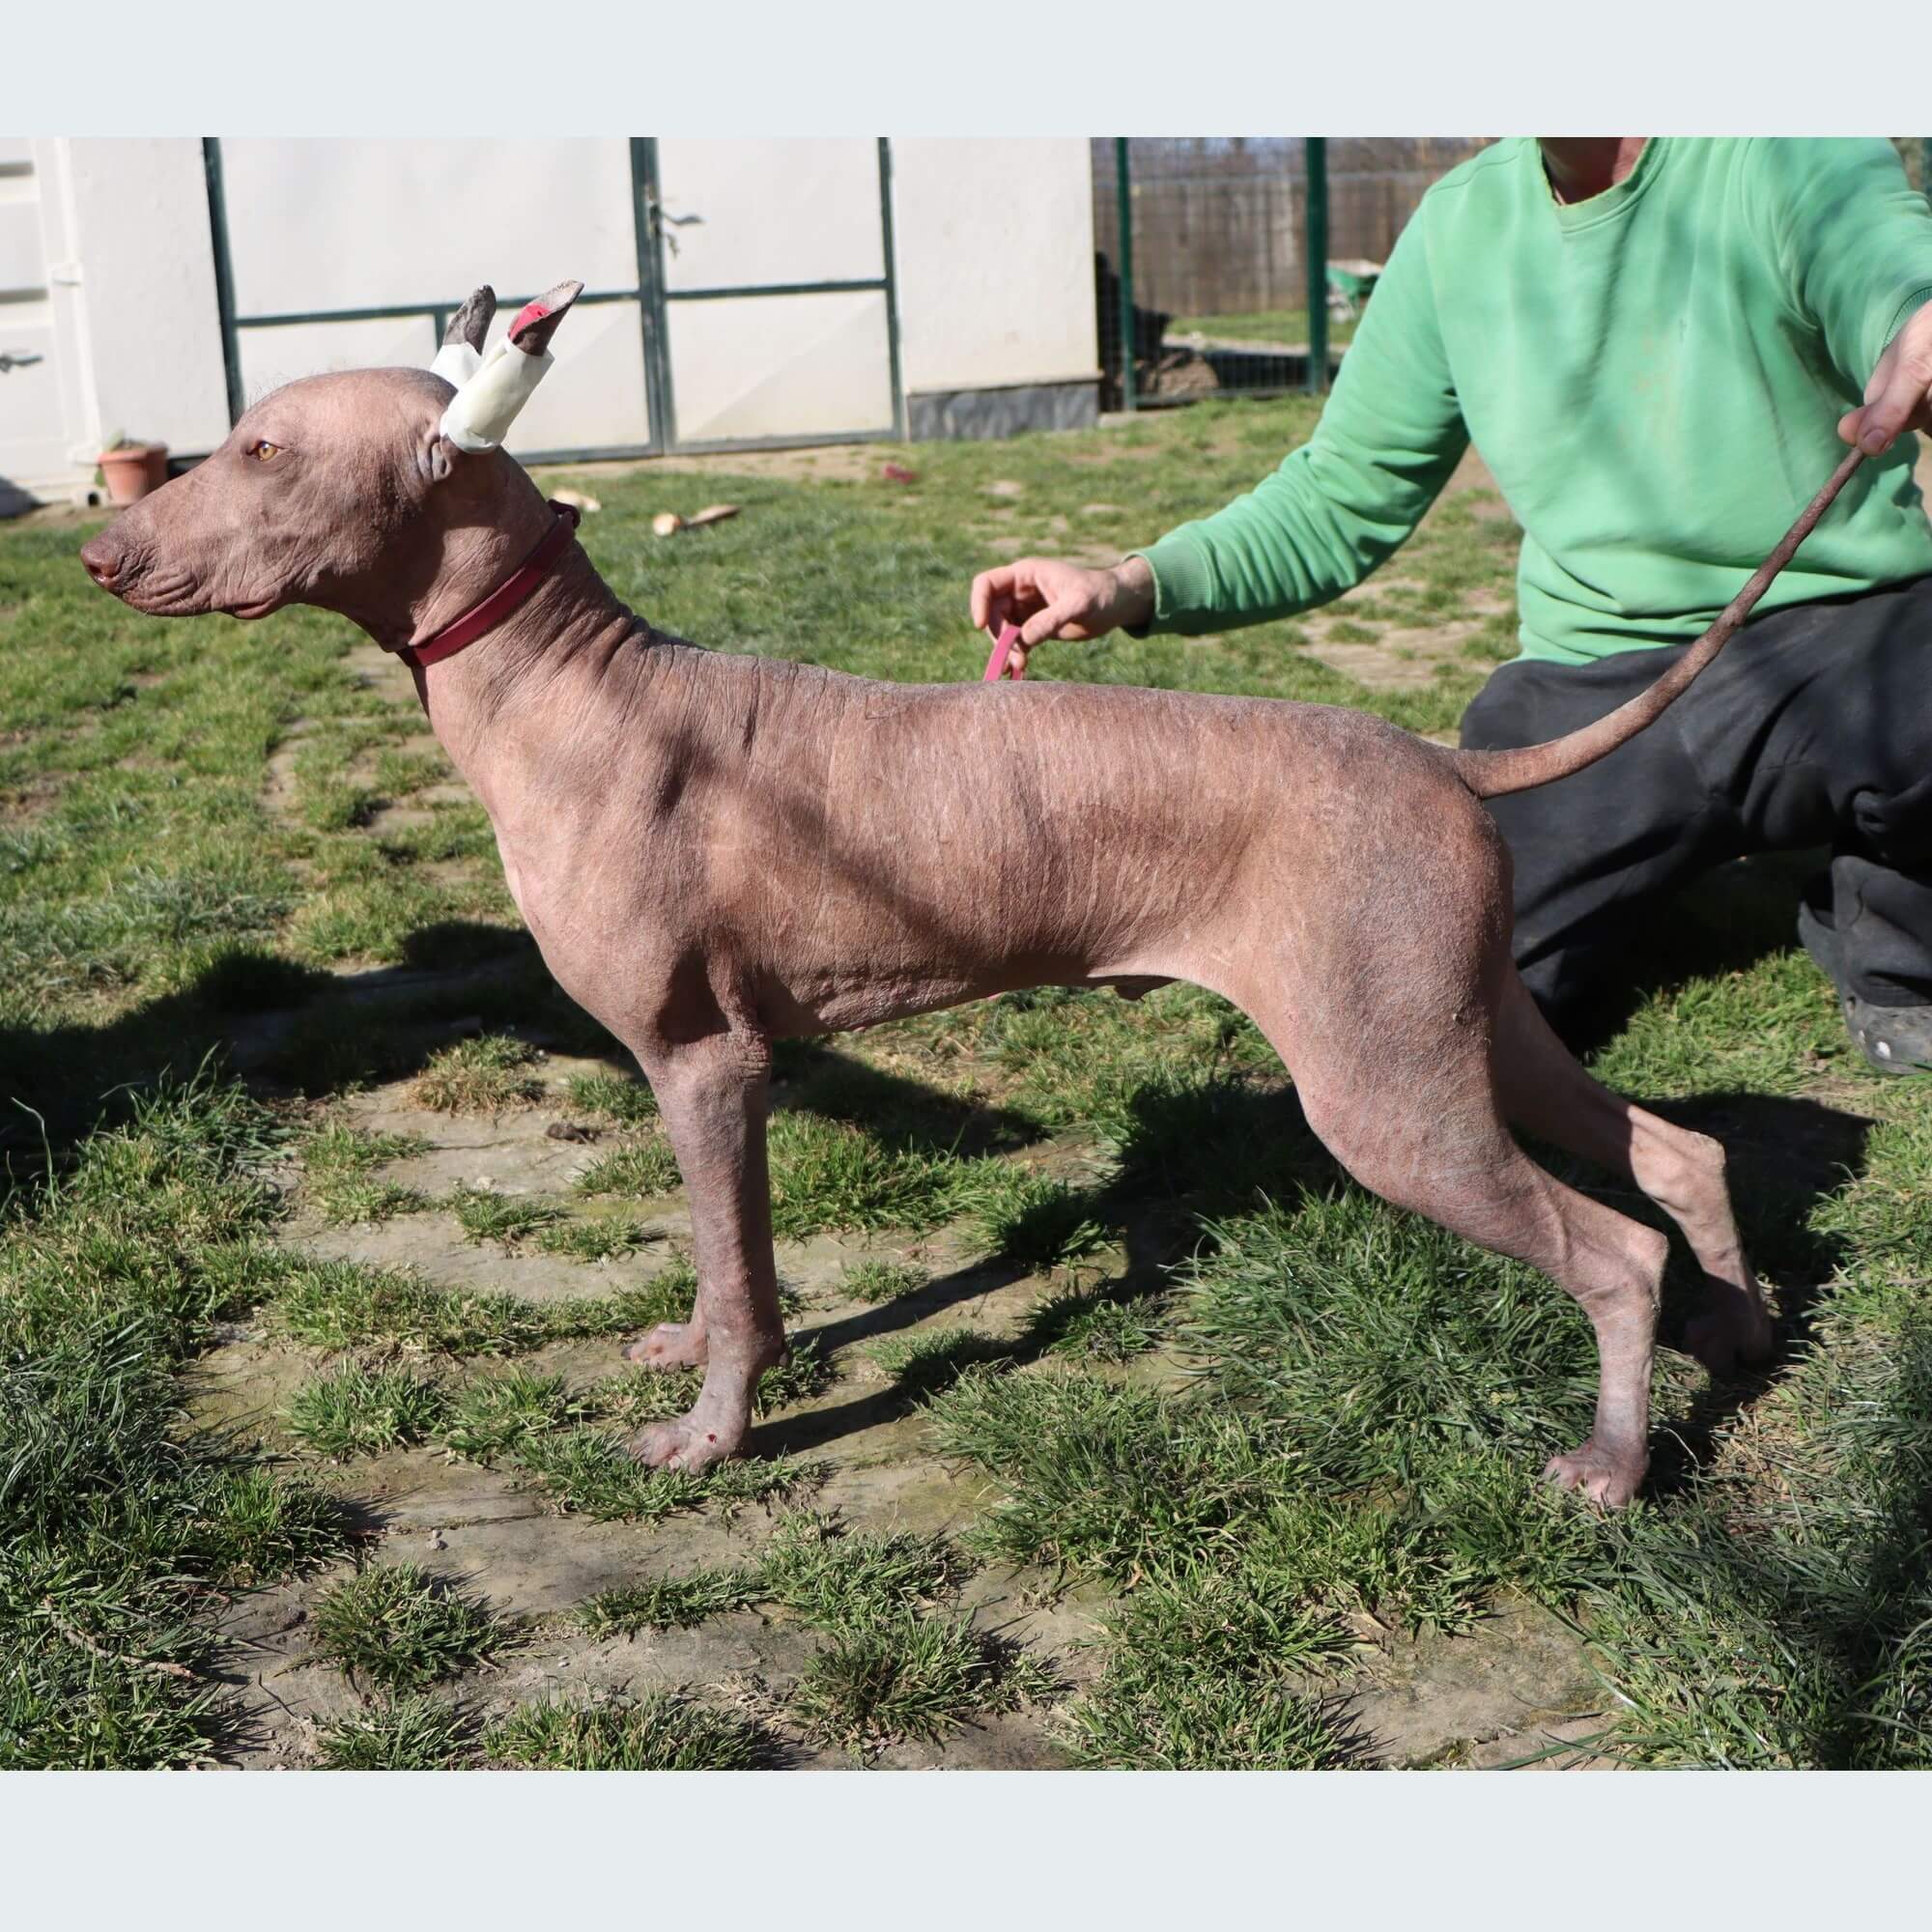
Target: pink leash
x=1002, y=663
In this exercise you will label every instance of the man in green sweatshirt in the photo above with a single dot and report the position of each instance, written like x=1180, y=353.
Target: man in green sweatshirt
x=1657, y=347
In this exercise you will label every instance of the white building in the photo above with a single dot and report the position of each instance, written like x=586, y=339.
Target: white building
x=738, y=292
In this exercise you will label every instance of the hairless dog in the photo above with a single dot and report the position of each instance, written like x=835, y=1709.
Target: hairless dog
x=714, y=851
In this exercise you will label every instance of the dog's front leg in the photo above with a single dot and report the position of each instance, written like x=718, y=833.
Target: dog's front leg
x=712, y=1096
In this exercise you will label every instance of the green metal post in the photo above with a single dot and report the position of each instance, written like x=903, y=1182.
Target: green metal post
x=890, y=249
x=1124, y=203
x=1315, y=152
x=650, y=290
x=224, y=277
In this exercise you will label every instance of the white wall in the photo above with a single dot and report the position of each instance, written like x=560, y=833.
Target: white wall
x=315, y=225
x=39, y=403
x=995, y=245
x=993, y=241
x=151, y=329
x=327, y=224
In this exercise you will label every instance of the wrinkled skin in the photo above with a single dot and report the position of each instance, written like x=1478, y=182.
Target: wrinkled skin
x=716, y=851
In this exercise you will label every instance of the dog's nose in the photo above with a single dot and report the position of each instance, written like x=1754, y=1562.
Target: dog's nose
x=101, y=556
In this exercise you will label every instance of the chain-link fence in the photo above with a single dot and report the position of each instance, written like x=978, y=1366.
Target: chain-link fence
x=1215, y=237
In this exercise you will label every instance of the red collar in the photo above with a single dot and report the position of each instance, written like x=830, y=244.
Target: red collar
x=500, y=602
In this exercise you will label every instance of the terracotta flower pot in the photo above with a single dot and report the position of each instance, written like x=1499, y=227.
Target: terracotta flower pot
x=133, y=470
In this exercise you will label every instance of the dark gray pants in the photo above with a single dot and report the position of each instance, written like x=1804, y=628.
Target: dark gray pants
x=1814, y=728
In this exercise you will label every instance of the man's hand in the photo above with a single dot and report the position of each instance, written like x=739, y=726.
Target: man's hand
x=1897, y=396
x=1047, y=599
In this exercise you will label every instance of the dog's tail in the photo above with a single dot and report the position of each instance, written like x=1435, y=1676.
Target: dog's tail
x=1490, y=774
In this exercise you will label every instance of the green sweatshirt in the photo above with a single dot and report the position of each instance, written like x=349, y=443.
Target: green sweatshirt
x=1653, y=376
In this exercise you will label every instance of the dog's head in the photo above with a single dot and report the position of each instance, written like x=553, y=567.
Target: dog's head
x=337, y=483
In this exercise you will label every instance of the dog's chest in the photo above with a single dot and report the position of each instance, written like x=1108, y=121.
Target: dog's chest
x=513, y=877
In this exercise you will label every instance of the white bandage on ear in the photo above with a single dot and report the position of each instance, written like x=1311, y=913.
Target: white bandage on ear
x=456, y=362
x=480, y=413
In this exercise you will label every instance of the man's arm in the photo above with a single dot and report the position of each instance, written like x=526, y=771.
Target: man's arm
x=1389, y=437
x=1855, y=246
x=1348, y=497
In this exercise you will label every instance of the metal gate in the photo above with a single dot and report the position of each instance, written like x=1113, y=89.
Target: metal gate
x=813, y=355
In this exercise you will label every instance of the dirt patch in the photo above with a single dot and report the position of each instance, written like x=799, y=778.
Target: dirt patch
x=26, y=803
x=1501, y=1694
x=828, y=463
x=1517, y=1686
x=278, y=787
x=1096, y=556
x=496, y=1538
x=1387, y=665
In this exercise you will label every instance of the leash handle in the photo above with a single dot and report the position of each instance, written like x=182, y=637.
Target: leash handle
x=1002, y=663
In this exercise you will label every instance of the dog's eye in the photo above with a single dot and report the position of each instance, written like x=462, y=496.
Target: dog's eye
x=262, y=452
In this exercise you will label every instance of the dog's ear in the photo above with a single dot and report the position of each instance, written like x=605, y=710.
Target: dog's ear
x=480, y=413
x=537, y=321
x=461, y=352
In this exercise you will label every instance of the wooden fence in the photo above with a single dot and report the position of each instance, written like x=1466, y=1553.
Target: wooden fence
x=1220, y=225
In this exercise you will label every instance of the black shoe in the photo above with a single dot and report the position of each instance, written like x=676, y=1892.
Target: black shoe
x=1893, y=1039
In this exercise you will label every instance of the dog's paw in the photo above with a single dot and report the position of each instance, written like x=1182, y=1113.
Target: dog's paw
x=1733, y=1331
x=1608, y=1480
x=688, y=1442
x=671, y=1344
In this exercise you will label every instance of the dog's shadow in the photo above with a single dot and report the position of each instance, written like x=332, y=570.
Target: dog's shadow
x=1187, y=1154
x=284, y=1026
x=1193, y=1155
x=1786, y=1158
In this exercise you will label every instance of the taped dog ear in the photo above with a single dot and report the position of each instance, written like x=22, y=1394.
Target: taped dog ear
x=461, y=352
x=488, y=400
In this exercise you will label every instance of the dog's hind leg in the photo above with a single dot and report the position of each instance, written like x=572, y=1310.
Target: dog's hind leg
x=1432, y=1140
x=1543, y=1091
x=712, y=1094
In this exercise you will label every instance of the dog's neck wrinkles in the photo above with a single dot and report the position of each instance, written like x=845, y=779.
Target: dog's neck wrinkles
x=564, y=643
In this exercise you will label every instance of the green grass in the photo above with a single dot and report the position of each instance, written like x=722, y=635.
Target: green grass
x=878, y=1281
x=338, y=1166
x=360, y=1412
x=1367, y=1336
x=904, y=1676
x=807, y=1370
x=656, y=1731
x=1035, y=1220
x=641, y=1394
x=502, y=1218
x=612, y=1097
x=833, y=1176
x=837, y=1577
x=643, y=1170
x=610, y=1237
x=194, y=850
x=479, y=1076
x=1288, y=325
x=1100, y=1476
x=1094, y=1325
x=669, y=1602
x=895, y=1664
x=495, y=1414
x=814, y=1565
x=413, y=1733
x=585, y=1471
x=1162, y=1711
x=119, y=1521
x=348, y=1304
x=396, y=1628
x=934, y=1358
